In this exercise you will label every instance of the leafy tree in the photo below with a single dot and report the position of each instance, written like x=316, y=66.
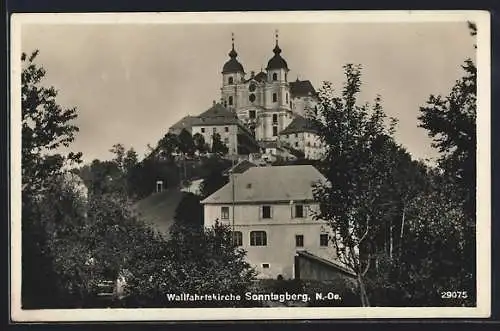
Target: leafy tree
x=168, y=145
x=46, y=127
x=218, y=147
x=189, y=211
x=203, y=262
x=355, y=165
x=199, y=143
x=131, y=160
x=186, y=143
x=212, y=182
x=451, y=122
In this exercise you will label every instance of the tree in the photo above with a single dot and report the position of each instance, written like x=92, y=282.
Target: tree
x=199, y=143
x=186, y=143
x=168, y=145
x=451, y=122
x=212, y=182
x=356, y=139
x=189, y=211
x=202, y=261
x=46, y=127
x=218, y=147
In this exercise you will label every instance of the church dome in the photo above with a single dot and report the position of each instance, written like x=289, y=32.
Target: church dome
x=277, y=62
x=232, y=65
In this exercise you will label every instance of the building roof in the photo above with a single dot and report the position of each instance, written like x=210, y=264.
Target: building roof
x=261, y=77
x=329, y=263
x=216, y=115
x=185, y=123
x=300, y=124
x=277, y=62
x=239, y=168
x=269, y=184
x=301, y=88
x=232, y=65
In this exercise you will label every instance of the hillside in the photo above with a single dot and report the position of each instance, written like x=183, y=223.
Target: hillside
x=158, y=209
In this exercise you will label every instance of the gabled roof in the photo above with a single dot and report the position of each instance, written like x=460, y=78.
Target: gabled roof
x=301, y=88
x=329, y=263
x=270, y=184
x=217, y=115
x=185, y=123
x=239, y=168
x=300, y=124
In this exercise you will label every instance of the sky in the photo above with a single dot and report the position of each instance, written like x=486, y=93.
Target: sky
x=131, y=82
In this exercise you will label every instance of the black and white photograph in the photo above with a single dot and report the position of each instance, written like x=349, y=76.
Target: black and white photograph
x=256, y=165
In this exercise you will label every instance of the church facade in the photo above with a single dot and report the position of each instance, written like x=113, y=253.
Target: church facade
x=266, y=102
x=271, y=109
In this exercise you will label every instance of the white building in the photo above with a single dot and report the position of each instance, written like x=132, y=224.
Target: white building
x=232, y=132
x=303, y=136
x=271, y=210
x=266, y=102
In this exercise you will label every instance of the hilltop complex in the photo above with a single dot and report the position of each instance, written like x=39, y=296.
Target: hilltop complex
x=262, y=113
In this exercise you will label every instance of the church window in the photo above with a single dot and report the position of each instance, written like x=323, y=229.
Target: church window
x=275, y=131
x=230, y=101
x=296, y=144
x=251, y=114
x=226, y=129
x=291, y=105
x=275, y=118
x=287, y=98
x=251, y=97
x=214, y=130
x=275, y=76
x=296, y=135
x=275, y=97
x=230, y=80
x=202, y=130
x=286, y=76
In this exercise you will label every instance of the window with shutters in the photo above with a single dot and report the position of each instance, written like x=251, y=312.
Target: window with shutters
x=224, y=213
x=266, y=212
x=258, y=238
x=299, y=240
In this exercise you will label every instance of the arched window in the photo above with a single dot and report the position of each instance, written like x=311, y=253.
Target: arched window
x=230, y=80
x=275, y=76
x=258, y=238
x=275, y=97
x=238, y=238
x=286, y=95
x=230, y=100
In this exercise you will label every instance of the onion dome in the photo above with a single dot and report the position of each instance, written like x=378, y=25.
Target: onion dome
x=232, y=65
x=277, y=62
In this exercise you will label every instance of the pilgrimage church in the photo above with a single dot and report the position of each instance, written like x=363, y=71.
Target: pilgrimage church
x=266, y=108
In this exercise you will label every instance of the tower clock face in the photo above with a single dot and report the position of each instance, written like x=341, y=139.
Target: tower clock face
x=252, y=87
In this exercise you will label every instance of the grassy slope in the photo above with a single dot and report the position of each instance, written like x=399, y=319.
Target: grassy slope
x=158, y=209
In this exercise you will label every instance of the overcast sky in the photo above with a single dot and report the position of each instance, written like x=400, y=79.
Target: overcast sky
x=131, y=82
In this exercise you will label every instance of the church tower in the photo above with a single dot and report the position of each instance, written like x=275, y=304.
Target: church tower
x=277, y=75
x=233, y=76
x=277, y=97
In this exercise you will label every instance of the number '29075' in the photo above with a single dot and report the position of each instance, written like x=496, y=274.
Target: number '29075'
x=454, y=295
